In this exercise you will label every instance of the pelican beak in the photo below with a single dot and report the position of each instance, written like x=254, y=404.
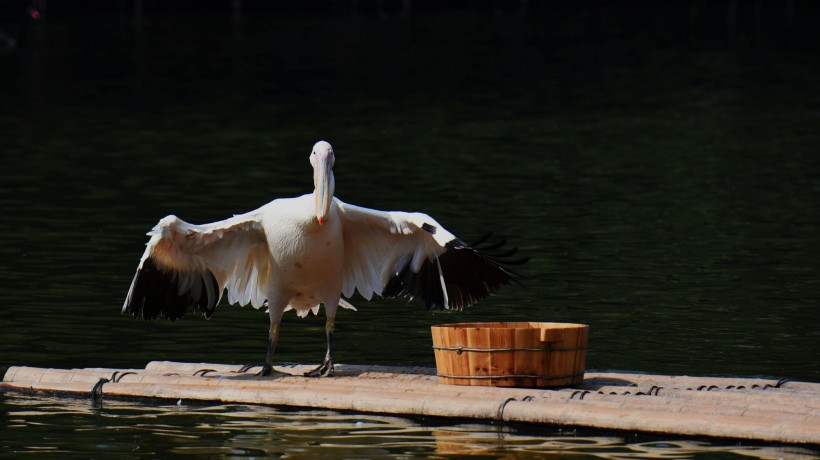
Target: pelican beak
x=324, y=183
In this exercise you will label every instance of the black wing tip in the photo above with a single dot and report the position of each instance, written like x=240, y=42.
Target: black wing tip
x=155, y=294
x=471, y=273
x=429, y=228
x=455, y=244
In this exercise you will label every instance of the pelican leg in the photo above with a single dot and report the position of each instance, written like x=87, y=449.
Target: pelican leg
x=326, y=368
x=273, y=339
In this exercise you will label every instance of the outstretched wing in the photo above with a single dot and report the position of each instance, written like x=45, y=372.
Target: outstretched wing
x=187, y=266
x=410, y=254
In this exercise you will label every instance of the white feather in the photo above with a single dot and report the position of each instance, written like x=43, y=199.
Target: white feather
x=379, y=243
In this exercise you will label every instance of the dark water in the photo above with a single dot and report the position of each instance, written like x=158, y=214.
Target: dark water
x=658, y=164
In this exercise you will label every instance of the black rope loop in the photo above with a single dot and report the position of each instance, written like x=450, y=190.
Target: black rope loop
x=96, y=391
x=117, y=376
x=500, y=414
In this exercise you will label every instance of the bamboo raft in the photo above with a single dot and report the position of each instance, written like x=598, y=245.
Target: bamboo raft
x=741, y=408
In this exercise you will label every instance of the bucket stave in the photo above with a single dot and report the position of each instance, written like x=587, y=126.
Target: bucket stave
x=525, y=354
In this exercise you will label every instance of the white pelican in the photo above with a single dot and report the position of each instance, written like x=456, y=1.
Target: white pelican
x=303, y=252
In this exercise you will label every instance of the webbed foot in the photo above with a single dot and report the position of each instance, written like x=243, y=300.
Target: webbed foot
x=267, y=371
x=246, y=368
x=324, y=370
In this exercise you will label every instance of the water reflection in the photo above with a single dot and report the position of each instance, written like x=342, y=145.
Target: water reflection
x=58, y=426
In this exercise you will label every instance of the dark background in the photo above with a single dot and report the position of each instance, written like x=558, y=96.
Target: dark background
x=657, y=161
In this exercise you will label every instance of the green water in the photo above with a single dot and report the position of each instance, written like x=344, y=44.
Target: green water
x=659, y=166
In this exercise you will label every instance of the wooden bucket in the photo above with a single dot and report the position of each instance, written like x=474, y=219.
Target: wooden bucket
x=510, y=354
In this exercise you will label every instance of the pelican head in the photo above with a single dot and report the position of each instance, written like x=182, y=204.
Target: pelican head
x=322, y=159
